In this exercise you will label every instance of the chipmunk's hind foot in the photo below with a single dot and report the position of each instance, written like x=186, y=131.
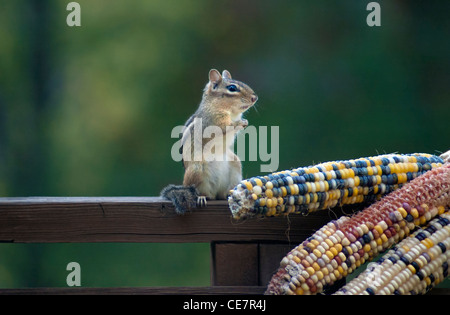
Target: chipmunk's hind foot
x=201, y=201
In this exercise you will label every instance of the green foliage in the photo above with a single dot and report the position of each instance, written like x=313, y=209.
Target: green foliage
x=105, y=265
x=89, y=111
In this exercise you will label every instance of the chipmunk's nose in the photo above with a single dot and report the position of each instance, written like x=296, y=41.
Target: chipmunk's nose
x=254, y=98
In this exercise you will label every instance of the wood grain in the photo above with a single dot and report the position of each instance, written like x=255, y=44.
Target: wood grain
x=235, y=264
x=213, y=290
x=255, y=244
x=140, y=219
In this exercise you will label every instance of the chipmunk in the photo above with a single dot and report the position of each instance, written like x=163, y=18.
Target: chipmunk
x=211, y=166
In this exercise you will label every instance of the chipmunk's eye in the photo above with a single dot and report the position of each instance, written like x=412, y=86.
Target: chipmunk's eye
x=232, y=88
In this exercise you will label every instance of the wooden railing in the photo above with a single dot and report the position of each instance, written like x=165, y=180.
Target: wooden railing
x=244, y=255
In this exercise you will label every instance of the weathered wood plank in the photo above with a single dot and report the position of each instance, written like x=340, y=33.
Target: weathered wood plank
x=235, y=264
x=140, y=219
x=270, y=256
x=213, y=290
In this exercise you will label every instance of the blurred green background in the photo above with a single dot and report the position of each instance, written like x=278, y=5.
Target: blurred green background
x=88, y=111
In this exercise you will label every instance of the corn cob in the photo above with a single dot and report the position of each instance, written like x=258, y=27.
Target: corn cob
x=327, y=185
x=341, y=246
x=414, y=266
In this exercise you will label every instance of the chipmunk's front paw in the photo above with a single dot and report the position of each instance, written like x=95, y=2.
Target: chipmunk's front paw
x=201, y=201
x=243, y=123
x=446, y=156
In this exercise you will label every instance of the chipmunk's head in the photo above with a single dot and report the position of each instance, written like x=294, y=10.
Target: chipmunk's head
x=232, y=95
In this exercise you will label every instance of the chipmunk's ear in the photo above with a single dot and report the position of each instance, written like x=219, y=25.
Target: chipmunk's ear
x=226, y=74
x=214, y=76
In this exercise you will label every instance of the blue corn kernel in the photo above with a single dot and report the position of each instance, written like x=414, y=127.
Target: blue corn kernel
x=350, y=191
x=392, y=259
x=432, y=279
x=415, y=265
x=420, y=275
x=405, y=260
x=442, y=247
x=370, y=291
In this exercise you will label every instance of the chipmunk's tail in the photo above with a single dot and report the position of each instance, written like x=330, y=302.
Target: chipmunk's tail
x=182, y=197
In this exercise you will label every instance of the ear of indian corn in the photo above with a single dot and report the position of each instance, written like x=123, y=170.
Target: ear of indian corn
x=341, y=246
x=327, y=185
x=414, y=266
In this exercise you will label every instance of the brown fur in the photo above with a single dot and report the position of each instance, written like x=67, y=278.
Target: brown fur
x=222, y=108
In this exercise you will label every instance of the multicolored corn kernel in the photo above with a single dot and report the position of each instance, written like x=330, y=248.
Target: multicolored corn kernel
x=327, y=185
x=345, y=244
x=414, y=266
x=445, y=156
